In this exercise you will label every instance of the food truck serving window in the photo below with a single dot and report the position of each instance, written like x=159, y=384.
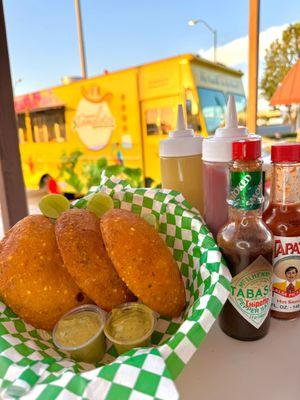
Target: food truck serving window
x=48, y=125
x=213, y=104
x=160, y=121
x=23, y=134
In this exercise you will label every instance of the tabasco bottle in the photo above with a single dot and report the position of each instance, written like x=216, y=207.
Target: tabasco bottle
x=283, y=218
x=247, y=245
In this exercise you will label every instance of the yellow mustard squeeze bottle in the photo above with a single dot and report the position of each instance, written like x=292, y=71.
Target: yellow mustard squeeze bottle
x=181, y=162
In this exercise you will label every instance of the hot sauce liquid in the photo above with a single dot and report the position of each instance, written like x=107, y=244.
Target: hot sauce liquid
x=239, y=251
x=231, y=322
x=283, y=220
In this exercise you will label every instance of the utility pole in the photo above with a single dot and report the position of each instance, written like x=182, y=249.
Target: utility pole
x=253, y=64
x=12, y=193
x=215, y=45
x=80, y=39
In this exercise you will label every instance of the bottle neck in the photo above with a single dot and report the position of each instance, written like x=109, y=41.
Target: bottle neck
x=245, y=194
x=285, y=187
x=237, y=214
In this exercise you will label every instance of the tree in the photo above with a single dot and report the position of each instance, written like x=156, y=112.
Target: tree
x=279, y=58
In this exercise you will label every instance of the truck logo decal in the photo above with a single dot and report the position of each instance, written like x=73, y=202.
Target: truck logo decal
x=93, y=120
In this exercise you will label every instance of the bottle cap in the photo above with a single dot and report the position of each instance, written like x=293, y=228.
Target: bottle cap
x=219, y=147
x=246, y=150
x=182, y=142
x=285, y=152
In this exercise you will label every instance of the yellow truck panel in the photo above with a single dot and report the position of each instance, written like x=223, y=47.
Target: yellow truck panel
x=121, y=116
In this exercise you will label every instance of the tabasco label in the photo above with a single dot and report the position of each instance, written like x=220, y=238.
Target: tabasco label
x=286, y=277
x=251, y=291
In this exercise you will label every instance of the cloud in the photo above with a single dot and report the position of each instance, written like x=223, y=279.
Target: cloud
x=235, y=53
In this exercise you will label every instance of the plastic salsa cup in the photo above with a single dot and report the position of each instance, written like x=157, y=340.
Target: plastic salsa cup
x=127, y=315
x=91, y=349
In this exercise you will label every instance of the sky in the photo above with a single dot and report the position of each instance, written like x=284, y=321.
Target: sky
x=43, y=47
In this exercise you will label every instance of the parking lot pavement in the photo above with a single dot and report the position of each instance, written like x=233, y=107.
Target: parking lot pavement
x=33, y=198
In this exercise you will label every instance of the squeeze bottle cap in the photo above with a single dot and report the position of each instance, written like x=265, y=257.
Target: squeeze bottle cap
x=231, y=128
x=182, y=142
x=219, y=147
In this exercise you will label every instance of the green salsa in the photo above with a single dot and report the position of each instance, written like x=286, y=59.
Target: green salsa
x=76, y=329
x=129, y=324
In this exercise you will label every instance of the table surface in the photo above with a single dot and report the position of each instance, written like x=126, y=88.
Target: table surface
x=227, y=369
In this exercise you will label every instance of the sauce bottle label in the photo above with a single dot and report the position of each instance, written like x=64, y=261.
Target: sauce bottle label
x=245, y=190
x=286, y=276
x=251, y=291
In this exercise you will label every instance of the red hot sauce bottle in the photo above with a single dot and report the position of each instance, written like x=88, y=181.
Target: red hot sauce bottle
x=283, y=218
x=246, y=244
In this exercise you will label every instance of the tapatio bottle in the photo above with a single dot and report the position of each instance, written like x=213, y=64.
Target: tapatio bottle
x=247, y=244
x=283, y=218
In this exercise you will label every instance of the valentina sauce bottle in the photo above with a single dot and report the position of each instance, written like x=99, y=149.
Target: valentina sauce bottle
x=283, y=219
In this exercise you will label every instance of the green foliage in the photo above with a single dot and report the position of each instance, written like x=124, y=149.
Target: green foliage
x=133, y=176
x=92, y=171
x=67, y=170
x=279, y=58
x=81, y=176
x=114, y=170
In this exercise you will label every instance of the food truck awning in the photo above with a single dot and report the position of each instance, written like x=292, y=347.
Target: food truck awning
x=37, y=101
x=288, y=92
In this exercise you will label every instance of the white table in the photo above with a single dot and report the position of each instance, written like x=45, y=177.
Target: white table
x=227, y=369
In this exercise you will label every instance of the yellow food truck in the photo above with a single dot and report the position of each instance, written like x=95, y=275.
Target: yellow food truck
x=122, y=115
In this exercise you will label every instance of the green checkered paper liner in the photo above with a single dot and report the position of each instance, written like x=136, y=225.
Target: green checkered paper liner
x=32, y=368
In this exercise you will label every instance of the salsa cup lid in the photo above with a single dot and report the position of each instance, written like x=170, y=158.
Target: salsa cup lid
x=77, y=310
x=130, y=305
